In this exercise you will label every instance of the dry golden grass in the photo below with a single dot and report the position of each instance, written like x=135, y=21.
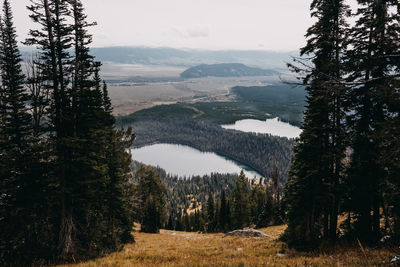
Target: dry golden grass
x=170, y=248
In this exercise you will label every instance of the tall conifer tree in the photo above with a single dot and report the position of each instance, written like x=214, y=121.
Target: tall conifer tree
x=373, y=65
x=90, y=162
x=18, y=184
x=224, y=213
x=150, y=191
x=240, y=202
x=54, y=40
x=312, y=192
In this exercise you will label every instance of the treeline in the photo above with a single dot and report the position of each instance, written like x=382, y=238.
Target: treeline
x=259, y=151
x=212, y=203
x=284, y=101
x=225, y=70
x=150, y=199
x=246, y=206
x=346, y=162
x=186, y=193
x=268, y=106
x=65, y=192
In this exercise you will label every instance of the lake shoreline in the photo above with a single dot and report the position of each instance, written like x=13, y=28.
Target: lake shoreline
x=274, y=127
x=184, y=155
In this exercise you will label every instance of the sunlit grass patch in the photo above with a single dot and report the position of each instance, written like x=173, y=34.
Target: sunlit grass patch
x=171, y=248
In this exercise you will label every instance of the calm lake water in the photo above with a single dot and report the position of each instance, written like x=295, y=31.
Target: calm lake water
x=270, y=126
x=186, y=161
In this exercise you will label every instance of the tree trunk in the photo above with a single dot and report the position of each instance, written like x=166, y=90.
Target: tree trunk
x=66, y=243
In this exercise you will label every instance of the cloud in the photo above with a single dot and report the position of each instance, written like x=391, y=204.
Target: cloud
x=189, y=33
x=198, y=32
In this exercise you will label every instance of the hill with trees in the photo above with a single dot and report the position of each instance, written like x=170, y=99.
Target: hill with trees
x=225, y=70
x=209, y=203
x=272, y=94
x=261, y=152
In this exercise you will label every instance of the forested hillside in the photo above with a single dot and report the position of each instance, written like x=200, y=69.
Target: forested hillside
x=259, y=151
x=288, y=100
x=283, y=94
x=225, y=70
x=257, y=102
x=182, y=193
x=217, y=202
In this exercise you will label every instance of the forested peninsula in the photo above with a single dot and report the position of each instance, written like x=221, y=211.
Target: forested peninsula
x=261, y=152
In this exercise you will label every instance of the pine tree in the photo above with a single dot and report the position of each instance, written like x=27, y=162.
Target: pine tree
x=196, y=221
x=88, y=157
x=151, y=217
x=151, y=193
x=265, y=217
x=86, y=142
x=240, y=203
x=19, y=186
x=39, y=96
x=391, y=159
x=178, y=223
x=170, y=224
x=119, y=192
x=217, y=215
x=224, y=213
x=210, y=213
x=257, y=200
x=373, y=66
x=54, y=40
x=313, y=190
x=186, y=222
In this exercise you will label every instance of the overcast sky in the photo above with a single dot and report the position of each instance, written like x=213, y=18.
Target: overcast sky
x=277, y=25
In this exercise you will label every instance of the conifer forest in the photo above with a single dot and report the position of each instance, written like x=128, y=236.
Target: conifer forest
x=72, y=191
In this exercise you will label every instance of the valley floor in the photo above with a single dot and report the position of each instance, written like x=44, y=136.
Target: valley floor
x=171, y=248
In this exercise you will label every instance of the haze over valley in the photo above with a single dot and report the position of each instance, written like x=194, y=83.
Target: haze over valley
x=177, y=104
x=140, y=77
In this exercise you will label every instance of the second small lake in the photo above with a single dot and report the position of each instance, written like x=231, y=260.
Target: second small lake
x=186, y=161
x=269, y=126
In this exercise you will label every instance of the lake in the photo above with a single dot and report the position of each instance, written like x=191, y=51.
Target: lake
x=270, y=126
x=186, y=161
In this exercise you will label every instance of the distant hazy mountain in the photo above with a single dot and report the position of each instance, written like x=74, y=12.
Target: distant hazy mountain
x=189, y=58
x=185, y=57
x=225, y=70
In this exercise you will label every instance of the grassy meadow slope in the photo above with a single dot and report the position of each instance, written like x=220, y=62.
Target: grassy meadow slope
x=171, y=248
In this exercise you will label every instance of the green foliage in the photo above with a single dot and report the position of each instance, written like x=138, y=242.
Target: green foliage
x=313, y=190
x=283, y=101
x=258, y=151
x=224, y=70
x=65, y=177
x=151, y=217
x=258, y=199
x=20, y=187
x=240, y=203
x=267, y=212
x=374, y=65
x=211, y=211
x=344, y=161
x=204, y=203
x=151, y=194
x=224, y=214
